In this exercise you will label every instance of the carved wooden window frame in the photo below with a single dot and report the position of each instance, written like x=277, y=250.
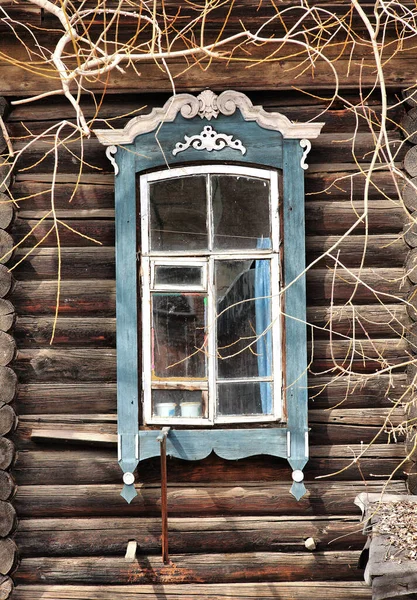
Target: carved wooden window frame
x=243, y=134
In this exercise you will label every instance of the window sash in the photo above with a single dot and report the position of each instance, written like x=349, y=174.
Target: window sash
x=155, y=258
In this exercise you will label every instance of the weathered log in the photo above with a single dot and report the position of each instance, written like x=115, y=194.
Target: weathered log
x=409, y=194
x=250, y=499
x=321, y=434
x=70, y=331
x=7, y=485
x=376, y=251
x=409, y=126
x=107, y=537
x=412, y=479
x=7, y=348
x=8, y=419
x=88, y=297
x=357, y=392
x=76, y=263
x=410, y=162
x=7, y=314
x=7, y=453
x=101, y=230
x=411, y=264
x=100, y=466
x=410, y=96
x=8, y=556
x=7, y=521
x=6, y=588
x=57, y=398
x=376, y=320
x=97, y=297
x=410, y=231
x=5, y=281
x=202, y=568
x=8, y=384
x=6, y=211
x=232, y=591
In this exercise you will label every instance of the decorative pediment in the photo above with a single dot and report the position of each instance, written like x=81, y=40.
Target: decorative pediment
x=208, y=105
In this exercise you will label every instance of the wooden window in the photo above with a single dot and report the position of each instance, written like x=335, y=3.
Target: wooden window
x=218, y=269
x=211, y=331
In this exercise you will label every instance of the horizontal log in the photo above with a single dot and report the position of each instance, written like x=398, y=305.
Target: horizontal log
x=375, y=320
x=377, y=251
x=83, y=263
x=284, y=73
x=7, y=453
x=107, y=537
x=58, y=398
x=76, y=398
x=324, y=498
x=339, y=145
x=84, y=433
x=232, y=591
x=372, y=321
x=76, y=263
x=97, y=297
x=8, y=556
x=100, y=466
x=184, y=568
x=32, y=231
x=92, y=332
x=7, y=521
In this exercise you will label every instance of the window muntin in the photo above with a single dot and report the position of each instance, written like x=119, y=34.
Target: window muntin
x=211, y=316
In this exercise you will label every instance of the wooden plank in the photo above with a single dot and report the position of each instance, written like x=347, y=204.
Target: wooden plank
x=99, y=466
x=201, y=568
x=92, y=332
x=97, y=297
x=231, y=591
x=33, y=232
x=107, y=537
x=80, y=263
x=376, y=320
x=324, y=391
x=331, y=498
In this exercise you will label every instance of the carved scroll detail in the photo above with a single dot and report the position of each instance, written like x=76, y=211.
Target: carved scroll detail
x=209, y=140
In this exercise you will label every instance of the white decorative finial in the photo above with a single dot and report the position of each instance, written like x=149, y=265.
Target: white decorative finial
x=207, y=105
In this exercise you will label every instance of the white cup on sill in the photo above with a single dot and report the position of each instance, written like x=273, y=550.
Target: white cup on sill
x=165, y=409
x=190, y=409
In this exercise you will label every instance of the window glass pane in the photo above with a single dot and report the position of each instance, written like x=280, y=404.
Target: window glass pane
x=179, y=403
x=178, y=336
x=178, y=275
x=251, y=398
x=178, y=214
x=244, y=337
x=241, y=212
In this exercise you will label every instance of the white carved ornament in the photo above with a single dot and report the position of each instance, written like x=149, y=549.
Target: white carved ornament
x=209, y=140
x=207, y=105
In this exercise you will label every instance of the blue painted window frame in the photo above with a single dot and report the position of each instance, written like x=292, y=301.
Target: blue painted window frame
x=266, y=148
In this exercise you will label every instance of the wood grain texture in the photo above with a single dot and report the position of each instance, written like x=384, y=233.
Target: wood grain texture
x=8, y=419
x=202, y=568
x=6, y=587
x=7, y=453
x=324, y=498
x=107, y=537
x=239, y=591
x=8, y=556
x=7, y=485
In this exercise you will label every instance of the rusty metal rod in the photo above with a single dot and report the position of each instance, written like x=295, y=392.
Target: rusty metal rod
x=162, y=439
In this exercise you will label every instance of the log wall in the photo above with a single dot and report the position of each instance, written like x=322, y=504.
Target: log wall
x=235, y=532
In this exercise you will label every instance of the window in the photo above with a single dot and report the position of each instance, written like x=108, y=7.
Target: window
x=223, y=299
x=210, y=300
